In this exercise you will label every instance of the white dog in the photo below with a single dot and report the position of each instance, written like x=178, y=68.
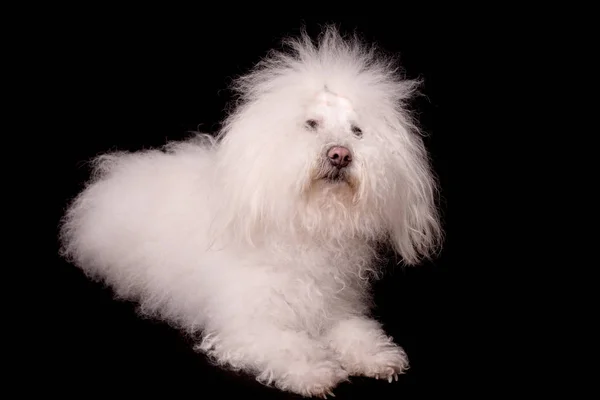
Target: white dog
x=265, y=238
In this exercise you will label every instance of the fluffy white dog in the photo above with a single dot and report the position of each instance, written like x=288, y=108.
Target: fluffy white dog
x=264, y=238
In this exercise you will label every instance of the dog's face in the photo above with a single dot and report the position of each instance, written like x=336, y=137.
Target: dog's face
x=325, y=165
x=350, y=166
x=322, y=149
x=333, y=121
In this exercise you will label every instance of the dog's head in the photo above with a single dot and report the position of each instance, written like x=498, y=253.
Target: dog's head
x=321, y=146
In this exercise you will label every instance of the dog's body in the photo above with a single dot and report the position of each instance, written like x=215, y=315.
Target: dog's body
x=264, y=239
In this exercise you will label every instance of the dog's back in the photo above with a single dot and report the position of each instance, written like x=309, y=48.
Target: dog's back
x=132, y=225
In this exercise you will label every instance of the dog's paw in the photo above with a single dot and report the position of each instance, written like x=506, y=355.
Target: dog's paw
x=312, y=380
x=387, y=363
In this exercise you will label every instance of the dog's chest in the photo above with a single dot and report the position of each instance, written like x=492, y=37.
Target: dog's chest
x=311, y=297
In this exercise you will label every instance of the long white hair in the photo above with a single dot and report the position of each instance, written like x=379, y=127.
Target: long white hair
x=258, y=182
x=268, y=161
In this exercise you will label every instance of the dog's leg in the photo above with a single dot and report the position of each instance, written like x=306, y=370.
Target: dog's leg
x=363, y=348
x=287, y=359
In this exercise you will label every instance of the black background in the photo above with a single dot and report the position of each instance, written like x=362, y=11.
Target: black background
x=133, y=83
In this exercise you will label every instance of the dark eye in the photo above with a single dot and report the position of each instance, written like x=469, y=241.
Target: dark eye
x=356, y=131
x=312, y=124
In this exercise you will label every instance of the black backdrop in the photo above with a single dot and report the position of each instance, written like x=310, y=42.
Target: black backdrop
x=134, y=84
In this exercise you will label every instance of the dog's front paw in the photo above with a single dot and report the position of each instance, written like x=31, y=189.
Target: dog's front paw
x=387, y=363
x=312, y=379
x=363, y=348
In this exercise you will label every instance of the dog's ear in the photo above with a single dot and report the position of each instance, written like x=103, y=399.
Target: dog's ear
x=413, y=214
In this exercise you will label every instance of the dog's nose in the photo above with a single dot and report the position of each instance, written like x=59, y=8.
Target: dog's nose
x=339, y=156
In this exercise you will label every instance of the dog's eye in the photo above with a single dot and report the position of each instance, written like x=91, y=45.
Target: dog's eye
x=312, y=124
x=357, y=131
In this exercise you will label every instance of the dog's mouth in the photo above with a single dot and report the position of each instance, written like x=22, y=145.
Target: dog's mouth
x=328, y=176
x=338, y=183
x=335, y=175
x=341, y=178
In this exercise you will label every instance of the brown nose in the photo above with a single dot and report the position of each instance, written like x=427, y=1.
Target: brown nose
x=339, y=156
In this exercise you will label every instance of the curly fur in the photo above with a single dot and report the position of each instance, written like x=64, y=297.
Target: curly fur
x=252, y=239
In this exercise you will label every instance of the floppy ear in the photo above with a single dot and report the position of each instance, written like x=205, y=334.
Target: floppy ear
x=415, y=227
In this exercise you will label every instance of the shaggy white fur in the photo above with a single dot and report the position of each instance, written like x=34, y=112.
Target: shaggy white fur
x=264, y=238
